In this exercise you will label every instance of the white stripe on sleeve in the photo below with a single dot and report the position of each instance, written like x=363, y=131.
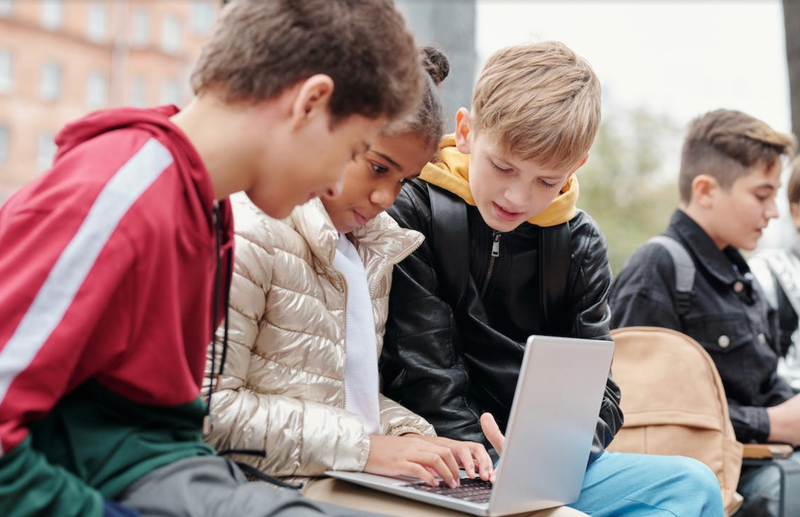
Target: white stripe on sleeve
x=77, y=259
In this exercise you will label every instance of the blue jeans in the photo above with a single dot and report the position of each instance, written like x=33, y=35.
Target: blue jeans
x=638, y=485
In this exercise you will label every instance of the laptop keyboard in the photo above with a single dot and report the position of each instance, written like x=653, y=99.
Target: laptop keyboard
x=472, y=490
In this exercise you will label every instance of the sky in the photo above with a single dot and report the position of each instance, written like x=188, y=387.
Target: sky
x=678, y=58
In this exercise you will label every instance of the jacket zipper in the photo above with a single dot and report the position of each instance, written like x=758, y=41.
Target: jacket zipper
x=495, y=253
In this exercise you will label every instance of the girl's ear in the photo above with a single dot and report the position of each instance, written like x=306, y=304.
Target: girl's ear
x=462, y=130
x=312, y=99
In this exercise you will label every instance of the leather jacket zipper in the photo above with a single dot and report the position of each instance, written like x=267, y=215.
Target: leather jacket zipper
x=495, y=253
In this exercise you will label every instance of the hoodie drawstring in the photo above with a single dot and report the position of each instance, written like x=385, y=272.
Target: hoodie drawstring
x=208, y=419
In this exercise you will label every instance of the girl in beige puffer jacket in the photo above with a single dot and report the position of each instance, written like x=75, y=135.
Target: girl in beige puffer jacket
x=308, y=306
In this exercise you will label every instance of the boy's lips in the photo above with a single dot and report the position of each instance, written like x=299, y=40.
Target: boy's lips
x=504, y=214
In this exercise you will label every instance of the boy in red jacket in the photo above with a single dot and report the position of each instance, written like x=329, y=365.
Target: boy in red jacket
x=114, y=263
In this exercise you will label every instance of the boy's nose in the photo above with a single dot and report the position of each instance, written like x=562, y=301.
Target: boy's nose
x=772, y=209
x=518, y=196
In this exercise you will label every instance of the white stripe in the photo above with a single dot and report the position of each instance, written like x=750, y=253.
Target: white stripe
x=78, y=258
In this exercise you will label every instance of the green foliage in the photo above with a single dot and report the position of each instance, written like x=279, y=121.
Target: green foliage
x=629, y=183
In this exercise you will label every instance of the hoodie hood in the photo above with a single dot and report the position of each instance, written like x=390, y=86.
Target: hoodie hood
x=451, y=173
x=156, y=121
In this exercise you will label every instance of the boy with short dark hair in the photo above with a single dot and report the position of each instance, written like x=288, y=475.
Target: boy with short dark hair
x=508, y=255
x=114, y=263
x=730, y=172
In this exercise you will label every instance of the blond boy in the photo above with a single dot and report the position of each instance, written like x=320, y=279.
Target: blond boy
x=528, y=262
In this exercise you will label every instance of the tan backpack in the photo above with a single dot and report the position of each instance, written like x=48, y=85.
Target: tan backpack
x=674, y=403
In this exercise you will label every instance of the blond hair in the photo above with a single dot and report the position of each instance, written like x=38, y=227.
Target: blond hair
x=258, y=48
x=540, y=101
x=726, y=144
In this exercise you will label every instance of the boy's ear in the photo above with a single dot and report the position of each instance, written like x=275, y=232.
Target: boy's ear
x=462, y=130
x=312, y=99
x=581, y=164
x=704, y=190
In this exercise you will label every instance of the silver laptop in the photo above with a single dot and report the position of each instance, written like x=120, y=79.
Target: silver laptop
x=548, y=437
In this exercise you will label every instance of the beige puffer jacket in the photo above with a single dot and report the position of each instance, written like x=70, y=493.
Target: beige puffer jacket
x=283, y=388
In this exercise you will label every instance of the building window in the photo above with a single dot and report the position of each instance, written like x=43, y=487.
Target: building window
x=170, y=92
x=96, y=91
x=45, y=151
x=6, y=6
x=139, y=92
x=4, y=144
x=171, y=34
x=97, y=29
x=50, y=83
x=52, y=14
x=140, y=30
x=201, y=17
x=6, y=77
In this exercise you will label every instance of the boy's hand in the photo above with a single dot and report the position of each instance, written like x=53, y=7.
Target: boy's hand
x=471, y=456
x=409, y=455
x=493, y=434
x=784, y=422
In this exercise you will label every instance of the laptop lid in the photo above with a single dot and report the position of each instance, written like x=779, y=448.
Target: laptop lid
x=549, y=434
x=552, y=422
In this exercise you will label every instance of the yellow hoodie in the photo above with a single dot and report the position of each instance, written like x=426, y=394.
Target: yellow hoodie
x=452, y=174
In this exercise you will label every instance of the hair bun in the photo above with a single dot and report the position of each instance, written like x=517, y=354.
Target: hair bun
x=435, y=63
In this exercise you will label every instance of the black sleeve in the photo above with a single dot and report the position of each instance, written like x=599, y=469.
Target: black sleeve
x=422, y=363
x=588, y=314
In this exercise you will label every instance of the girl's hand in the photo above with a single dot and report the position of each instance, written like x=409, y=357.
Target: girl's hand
x=471, y=456
x=410, y=455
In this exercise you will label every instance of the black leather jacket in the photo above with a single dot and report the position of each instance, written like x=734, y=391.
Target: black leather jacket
x=451, y=366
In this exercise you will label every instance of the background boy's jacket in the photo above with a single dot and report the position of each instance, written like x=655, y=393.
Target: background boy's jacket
x=470, y=359
x=733, y=324
x=287, y=351
x=100, y=385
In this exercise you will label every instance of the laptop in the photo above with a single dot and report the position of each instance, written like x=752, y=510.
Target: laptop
x=548, y=438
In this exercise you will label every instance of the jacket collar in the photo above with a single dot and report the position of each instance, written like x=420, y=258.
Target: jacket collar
x=727, y=266
x=381, y=236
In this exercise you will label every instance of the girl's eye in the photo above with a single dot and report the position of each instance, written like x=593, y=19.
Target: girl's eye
x=499, y=168
x=379, y=169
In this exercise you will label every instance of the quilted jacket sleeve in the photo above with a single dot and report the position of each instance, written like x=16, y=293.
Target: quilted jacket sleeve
x=300, y=438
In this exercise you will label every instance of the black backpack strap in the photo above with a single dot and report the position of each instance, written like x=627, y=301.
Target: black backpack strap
x=684, y=270
x=555, y=253
x=450, y=243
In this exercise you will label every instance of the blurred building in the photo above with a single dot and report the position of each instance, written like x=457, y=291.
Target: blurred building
x=449, y=25
x=60, y=59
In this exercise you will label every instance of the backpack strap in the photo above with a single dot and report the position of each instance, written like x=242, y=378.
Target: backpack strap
x=555, y=251
x=450, y=242
x=684, y=270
